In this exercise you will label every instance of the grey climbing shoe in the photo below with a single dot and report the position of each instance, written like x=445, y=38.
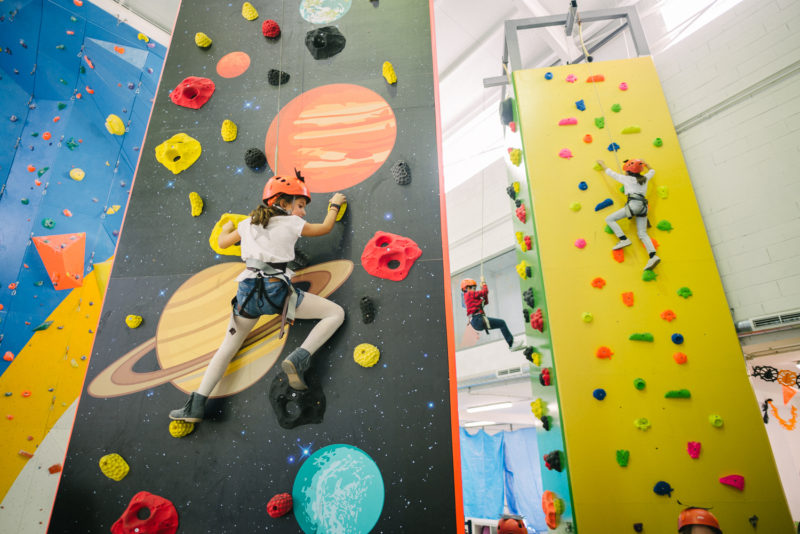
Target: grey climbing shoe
x=295, y=365
x=193, y=411
x=655, y=260
x=622, y=244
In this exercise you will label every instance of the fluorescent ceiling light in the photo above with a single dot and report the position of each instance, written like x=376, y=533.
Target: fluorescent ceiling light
x=479, y=423
x=489, y=407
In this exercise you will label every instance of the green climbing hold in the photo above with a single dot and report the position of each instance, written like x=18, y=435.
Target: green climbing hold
x=60, y=47
x=38, y=283
x=658, y=142
x=73, y=19
x=600, y=122
x=82, y=70
x=24, y=200
x=63, y=81
x=48, y=223
x=41, y=171
x=61, y=105
x=622, y=189
x=72, y=144
x=685, y=292
x=664, y=225
x=678, y=394
x=608, y=230
x=44, y=326
x=616, y=108
x=649, y=276
x=35, y=134
x=639, y=383
x=622, y=457
x=644, y=336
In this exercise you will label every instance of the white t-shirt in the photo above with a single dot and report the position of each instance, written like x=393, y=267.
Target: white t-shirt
x=273, y=244
x=630, y=183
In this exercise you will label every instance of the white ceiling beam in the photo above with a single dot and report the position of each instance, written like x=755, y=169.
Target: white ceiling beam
x=554, y=36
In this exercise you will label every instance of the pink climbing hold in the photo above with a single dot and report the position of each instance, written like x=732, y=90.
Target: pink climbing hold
x=734, y=481
x=512, y=126
x=572, y=78
x=580, y=243
x=568, y=121
x=623, y=86
x=522, y=214
x=565, y=153
x=693, y=448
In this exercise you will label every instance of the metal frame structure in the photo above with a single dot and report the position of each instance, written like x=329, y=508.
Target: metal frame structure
x=512, y=57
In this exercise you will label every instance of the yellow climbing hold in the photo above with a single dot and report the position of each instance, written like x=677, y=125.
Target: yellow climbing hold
x=366, y=355
x=522, y=269
x=516, y=156
x=575, y=206
x=536, y=359
x=631, y=130
x=77, y=174
x=179, y=152
x=388, y=73
x=521, y=241
x=249, y=12
x=197, y=204
x=213, y=240
x=340, y=213
x=515, y=185
x=202, y=40
x=229, y=130
x=133, y=321
x=114, y=125
x=143, y=37
x=539, y=408
x=113, y=209
x=663, y=191
x=179, y=429
x=114, y=466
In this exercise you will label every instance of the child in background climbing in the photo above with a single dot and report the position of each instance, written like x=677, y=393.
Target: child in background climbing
x=267, y=239
x=635, y=188
x=698, y=521
x=475, y=300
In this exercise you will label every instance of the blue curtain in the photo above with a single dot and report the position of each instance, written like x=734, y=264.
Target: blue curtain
x=523, y=477
x=482, y=474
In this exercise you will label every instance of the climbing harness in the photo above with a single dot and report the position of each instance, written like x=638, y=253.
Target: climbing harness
x=270, y=272
x=636, y=206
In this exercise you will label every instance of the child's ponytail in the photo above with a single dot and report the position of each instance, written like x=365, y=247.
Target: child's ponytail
x=262, y=214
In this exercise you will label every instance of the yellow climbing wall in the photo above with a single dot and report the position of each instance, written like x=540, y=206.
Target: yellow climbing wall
x=606, y=496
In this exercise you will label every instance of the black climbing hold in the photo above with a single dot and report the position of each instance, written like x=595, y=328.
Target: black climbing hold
x=528, y=296
x=511, y=192
x=254, y=158
x=506, y=111
x=552, y=460
x=277, y=77
x=753, y=521
x=518, y=203
x=325, y=42
x=367, y=310
x=546, y=422
x=294, y=408
x=401, y=172
x=232, y=331
x=637, y=527
x=526, y=314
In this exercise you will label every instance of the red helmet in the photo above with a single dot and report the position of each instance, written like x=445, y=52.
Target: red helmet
x=511, y=524
x=698, y=516
x=633, y=165
x=467, y=282
x=287, y=185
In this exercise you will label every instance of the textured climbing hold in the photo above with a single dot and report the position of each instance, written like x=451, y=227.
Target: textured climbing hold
x=528, y=242
x=114, y=466
x=249, y=12
x=389, y=256
x=44, y=326
x=604, y=353
x=581, y=105
x=599, y=394
x=48, y=223
x=734, y=481
x=664, y=226
x=552, y=461
x=595, y=78
x=587, y=317
x=693, y=448
x=678, y=394
x=627, y=298
x=511, y=193
x=532, y=356
x=24, y=201
x=668, y=315
x=604, y=204
x=613, y=147
x=583, y=186
x=367, y=310
x=539, y=408
x=639, y=383
x=663, y=488
x=616, y=108
x=229, y=130
x=113, y=209
x=623, y=86
x=680, y=358
x=270, y=29
x=202, y=40
x=569, y=121
x=133, y=321
x=193, y=92
x=649, y=275
x=565, y=153
x=716, y=421
x=515, y=185
x=143, y=37
x=178, y=153
x=279, y=505
x=55, y=468
x=179, y=429
x=537, y=321
x=685, y=292
x=255, y=158
x=642, y=423
x=587, y=138
x=66, y=213
x=523, y=270
x=544, y=377
x=663, y=191
x=571, y=78
x=366, y=355
x=515, y=155
x=580, y=243
x=575, y=206
x=623, y=456
x=598, y=282
x=677, y=338
x=114, y=125
x=196, y=203
x=643, y=336
x=8, y=356
x=600, y=122
x=518, y=236
x=46, y=136
x=548, y=75
x=41, y=171
x=161, y=519
x=528, y=297
x=325, y=42
x=657, y=142
x=23, y=453
x=597, y=167
x=388, y=73
x=277, y=77
x=512, y=126
x=631, y=130
x=521, y=213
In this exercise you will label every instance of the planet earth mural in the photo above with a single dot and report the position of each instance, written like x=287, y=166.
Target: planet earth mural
x=337, y=135
x=338, y=490
x=324, y=11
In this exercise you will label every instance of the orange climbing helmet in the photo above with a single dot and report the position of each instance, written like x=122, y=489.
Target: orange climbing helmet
x=698, y=516
x=511, y=524
x=286, y=185
x=468, y=282
x=633, y=165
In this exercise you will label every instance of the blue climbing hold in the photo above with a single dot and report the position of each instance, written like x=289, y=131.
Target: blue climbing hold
x=613, y=147
x=663, y=488
x=677, y=339
x=548, y=76
x=583, y=186
x=580, y=105
x=599, y=394
x=604, y=204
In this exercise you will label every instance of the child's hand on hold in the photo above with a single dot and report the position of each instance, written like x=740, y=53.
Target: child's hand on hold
x=602, y=164
x=338, y=198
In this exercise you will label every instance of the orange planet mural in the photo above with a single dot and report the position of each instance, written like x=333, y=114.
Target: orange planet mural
x=337, y=135
x=233, y=64
x=192, y=326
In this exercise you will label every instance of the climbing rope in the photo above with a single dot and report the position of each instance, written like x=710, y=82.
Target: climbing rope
x=280, y=73
x=483, y=209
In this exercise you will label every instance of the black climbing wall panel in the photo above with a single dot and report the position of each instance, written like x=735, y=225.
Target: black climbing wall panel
x=221, y=476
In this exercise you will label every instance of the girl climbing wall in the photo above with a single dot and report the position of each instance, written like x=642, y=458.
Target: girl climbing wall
x=475, y=300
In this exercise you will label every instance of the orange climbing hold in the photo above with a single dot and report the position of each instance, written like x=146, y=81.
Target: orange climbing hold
x=119, y=50
x=89, y=62
x=604, y=353
x=78, y=96
x=595, y=78
x=680, y=358
x=67, y=213
x=587, y=138
x=668, y=315
x=78, y=3
x=618, y=255
x=56, y=118
x=627, y=298
x=598, y=282
x=46, y=136
x=62, y=256
x=37, y=182
x=31, y=168
x=89, y=90
x=70, y=32
x=26, y=393
x=8, y=356
x=550, y=509
x=55, y=468
x=12, y=286
x=655, y=243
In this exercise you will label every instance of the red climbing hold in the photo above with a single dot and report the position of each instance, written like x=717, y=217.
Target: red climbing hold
x=55, y=468
x=522, y=215
x=587, y=138
x=279, y=505
x=26, y=393
x=389, y=256
x=528, y=242
x=162, y=519
x=270, y=29
x=512, y=126
x=193, y=92
x=537, y=321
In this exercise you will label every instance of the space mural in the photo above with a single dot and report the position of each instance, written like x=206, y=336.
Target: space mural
x=303, y=86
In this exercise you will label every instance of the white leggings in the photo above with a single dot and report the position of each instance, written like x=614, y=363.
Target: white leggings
x=331, y=317
x=641, y=227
